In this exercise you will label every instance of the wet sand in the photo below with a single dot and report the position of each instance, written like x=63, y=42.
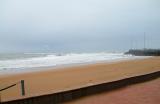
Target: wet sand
x=143, y=93
x=53, y=81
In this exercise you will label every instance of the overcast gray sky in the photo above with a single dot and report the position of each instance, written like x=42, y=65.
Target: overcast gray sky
x=78, y=25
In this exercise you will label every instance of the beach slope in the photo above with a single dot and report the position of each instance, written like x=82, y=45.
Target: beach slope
x=69, y=78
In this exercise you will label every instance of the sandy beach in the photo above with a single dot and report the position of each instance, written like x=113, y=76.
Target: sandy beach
x=53, y=81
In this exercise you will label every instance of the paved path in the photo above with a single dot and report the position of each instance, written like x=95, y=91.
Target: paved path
x=143, y=93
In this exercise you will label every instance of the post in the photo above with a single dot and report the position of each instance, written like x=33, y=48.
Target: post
x=22, y=88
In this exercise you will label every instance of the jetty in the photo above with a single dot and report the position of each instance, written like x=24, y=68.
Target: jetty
x=144, y=52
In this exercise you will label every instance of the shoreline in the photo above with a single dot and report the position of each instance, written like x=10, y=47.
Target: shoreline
x=66, y=66
x=53, y=81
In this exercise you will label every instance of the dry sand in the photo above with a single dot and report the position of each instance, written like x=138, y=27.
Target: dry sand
x=143, y=93
x=52, y=81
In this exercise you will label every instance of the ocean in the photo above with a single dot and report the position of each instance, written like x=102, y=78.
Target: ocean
x=20, y=62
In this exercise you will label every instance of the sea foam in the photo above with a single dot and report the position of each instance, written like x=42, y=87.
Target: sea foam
x=51, y=60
